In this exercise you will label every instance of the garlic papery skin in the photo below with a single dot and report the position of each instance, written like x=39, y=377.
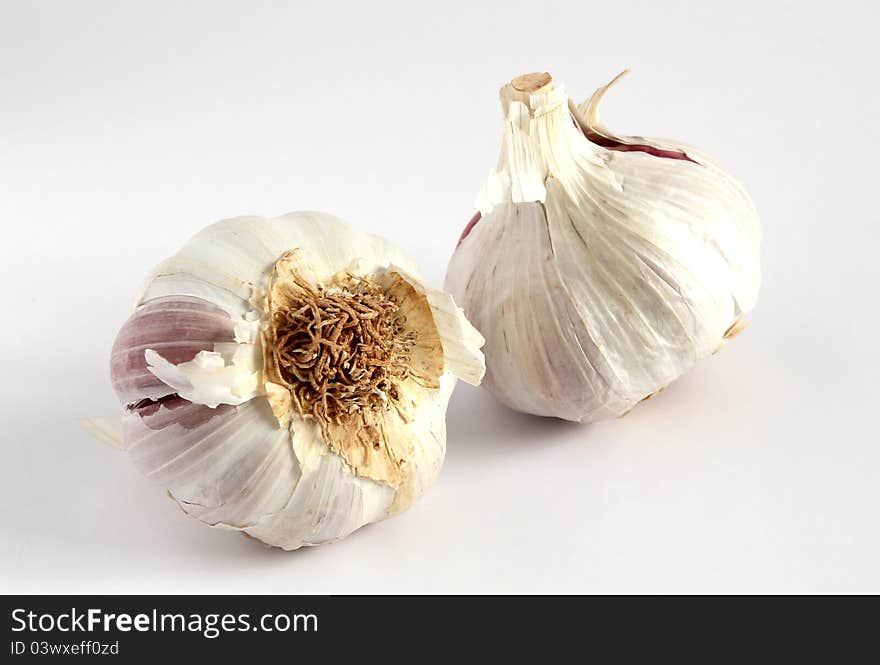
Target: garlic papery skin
x=599, y=268
x=289, y=377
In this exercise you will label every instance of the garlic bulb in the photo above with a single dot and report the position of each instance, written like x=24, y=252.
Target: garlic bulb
x=599, y=268
x=289, y=378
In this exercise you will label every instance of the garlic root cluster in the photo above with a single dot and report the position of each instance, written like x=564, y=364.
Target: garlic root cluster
x=289, y=378
x=599, y=267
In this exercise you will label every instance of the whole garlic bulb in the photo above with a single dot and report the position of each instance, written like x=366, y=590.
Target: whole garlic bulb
x=599, y=268
x=289, y=378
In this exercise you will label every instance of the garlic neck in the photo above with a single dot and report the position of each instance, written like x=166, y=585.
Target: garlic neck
x=540, y=141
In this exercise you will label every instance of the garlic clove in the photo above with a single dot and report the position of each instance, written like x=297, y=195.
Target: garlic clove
x=236, y=255
x=177, y=326
x=724, y=194
x=229, y=465
x=186, y=286
x=328, y=503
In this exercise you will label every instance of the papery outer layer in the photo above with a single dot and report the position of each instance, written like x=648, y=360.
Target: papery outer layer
x=107, y=429
x=461, y=341
x=231, y=465
x=228, y=465
x=599, y=276
x=228, y=375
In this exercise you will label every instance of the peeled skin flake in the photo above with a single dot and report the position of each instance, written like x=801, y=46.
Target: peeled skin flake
x=288, y=378
x=599, y=267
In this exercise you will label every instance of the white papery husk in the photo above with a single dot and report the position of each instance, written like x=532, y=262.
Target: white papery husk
x=189, y=368
x=598, y=276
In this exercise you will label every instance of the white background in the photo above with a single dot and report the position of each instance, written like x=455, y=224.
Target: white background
x=125, y=127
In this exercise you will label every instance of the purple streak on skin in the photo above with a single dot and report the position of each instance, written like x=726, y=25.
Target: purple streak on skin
x=179, y=410
x=619, y=146
x=611, y=144
x=467, y=229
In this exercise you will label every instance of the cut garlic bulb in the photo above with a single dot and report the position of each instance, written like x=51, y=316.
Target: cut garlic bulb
x=289, y=378
x=599, y=268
